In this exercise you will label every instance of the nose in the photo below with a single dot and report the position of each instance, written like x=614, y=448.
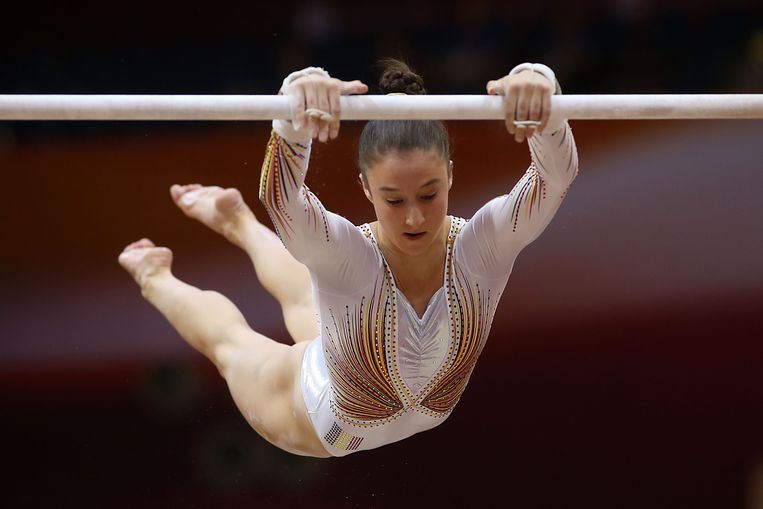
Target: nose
x=413, y=217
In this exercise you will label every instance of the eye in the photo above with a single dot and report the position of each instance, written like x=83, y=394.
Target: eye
x=394, y=202
x=429, y=197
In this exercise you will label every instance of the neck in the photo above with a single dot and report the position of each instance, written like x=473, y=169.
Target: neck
x=419, y=266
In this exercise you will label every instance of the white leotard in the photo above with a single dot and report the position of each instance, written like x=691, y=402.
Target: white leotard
x=378, y=373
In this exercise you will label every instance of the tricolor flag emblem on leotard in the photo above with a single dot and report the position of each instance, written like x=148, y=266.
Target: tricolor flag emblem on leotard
x=341, y=439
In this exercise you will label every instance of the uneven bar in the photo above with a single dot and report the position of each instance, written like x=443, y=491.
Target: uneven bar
x=368, y=107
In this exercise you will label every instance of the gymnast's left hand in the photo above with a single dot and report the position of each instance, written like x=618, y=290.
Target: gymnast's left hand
x=526, y=100
x=317, y=103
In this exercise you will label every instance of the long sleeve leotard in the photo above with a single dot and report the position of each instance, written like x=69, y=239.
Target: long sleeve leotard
x=378, y=372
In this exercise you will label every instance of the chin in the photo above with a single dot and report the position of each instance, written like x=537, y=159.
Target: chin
x=415, y=246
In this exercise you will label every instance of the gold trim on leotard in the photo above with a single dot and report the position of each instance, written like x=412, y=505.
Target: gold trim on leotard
x=470, y=310
x=360, y=348
x=356, y=354
x=281, y=171
x=529, y=196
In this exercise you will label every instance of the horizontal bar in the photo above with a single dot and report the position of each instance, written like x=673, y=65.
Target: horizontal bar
x=368, y=107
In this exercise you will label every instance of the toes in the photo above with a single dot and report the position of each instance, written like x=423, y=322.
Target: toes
x=177, y=191
x=189, y=197
x=186, y=196
x=143, y=259
x=164, y=251
x=144, y=242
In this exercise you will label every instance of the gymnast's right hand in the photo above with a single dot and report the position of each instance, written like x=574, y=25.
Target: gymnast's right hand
x=316, y=102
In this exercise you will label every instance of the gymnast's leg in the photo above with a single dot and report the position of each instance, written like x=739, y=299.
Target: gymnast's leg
x=224, y=211
x=263, y=375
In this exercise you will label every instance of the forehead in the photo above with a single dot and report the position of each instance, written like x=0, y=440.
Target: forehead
x=410, y=167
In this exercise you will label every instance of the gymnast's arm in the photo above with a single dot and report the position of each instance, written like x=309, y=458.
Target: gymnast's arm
x=505, y=225
x=327, y=243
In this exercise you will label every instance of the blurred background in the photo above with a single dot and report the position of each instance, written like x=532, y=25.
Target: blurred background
x=624, y=364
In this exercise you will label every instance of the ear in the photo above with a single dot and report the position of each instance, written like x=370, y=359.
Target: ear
x=365, y=188
x=450, y=174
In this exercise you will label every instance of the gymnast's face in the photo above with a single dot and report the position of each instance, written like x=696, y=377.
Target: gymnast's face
x=409, y=192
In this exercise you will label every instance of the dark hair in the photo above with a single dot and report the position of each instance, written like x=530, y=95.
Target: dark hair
x=382, y=136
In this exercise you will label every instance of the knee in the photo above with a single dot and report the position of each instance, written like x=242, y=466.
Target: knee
x=249, y=358
x=226, y=347
x=224, y=357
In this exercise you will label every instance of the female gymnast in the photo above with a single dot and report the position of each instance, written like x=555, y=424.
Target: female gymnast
x=388, y=318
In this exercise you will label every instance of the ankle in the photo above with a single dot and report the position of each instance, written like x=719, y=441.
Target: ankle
x=151, y=280
x=243, y=231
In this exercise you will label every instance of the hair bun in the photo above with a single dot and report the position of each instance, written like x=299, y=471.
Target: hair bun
x=397, y=77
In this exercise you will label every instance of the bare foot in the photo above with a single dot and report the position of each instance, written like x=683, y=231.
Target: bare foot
x=222, y=210
x=142, y=259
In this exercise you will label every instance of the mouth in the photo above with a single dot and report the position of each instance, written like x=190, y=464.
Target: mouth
x=414, y=236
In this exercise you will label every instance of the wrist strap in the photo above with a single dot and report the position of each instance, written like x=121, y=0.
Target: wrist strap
x=540, y=69
x=298, y=74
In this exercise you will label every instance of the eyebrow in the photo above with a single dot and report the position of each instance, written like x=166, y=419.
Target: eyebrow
x=427, y=183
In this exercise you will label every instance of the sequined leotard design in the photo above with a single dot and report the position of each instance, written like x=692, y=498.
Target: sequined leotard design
x=378, y=372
